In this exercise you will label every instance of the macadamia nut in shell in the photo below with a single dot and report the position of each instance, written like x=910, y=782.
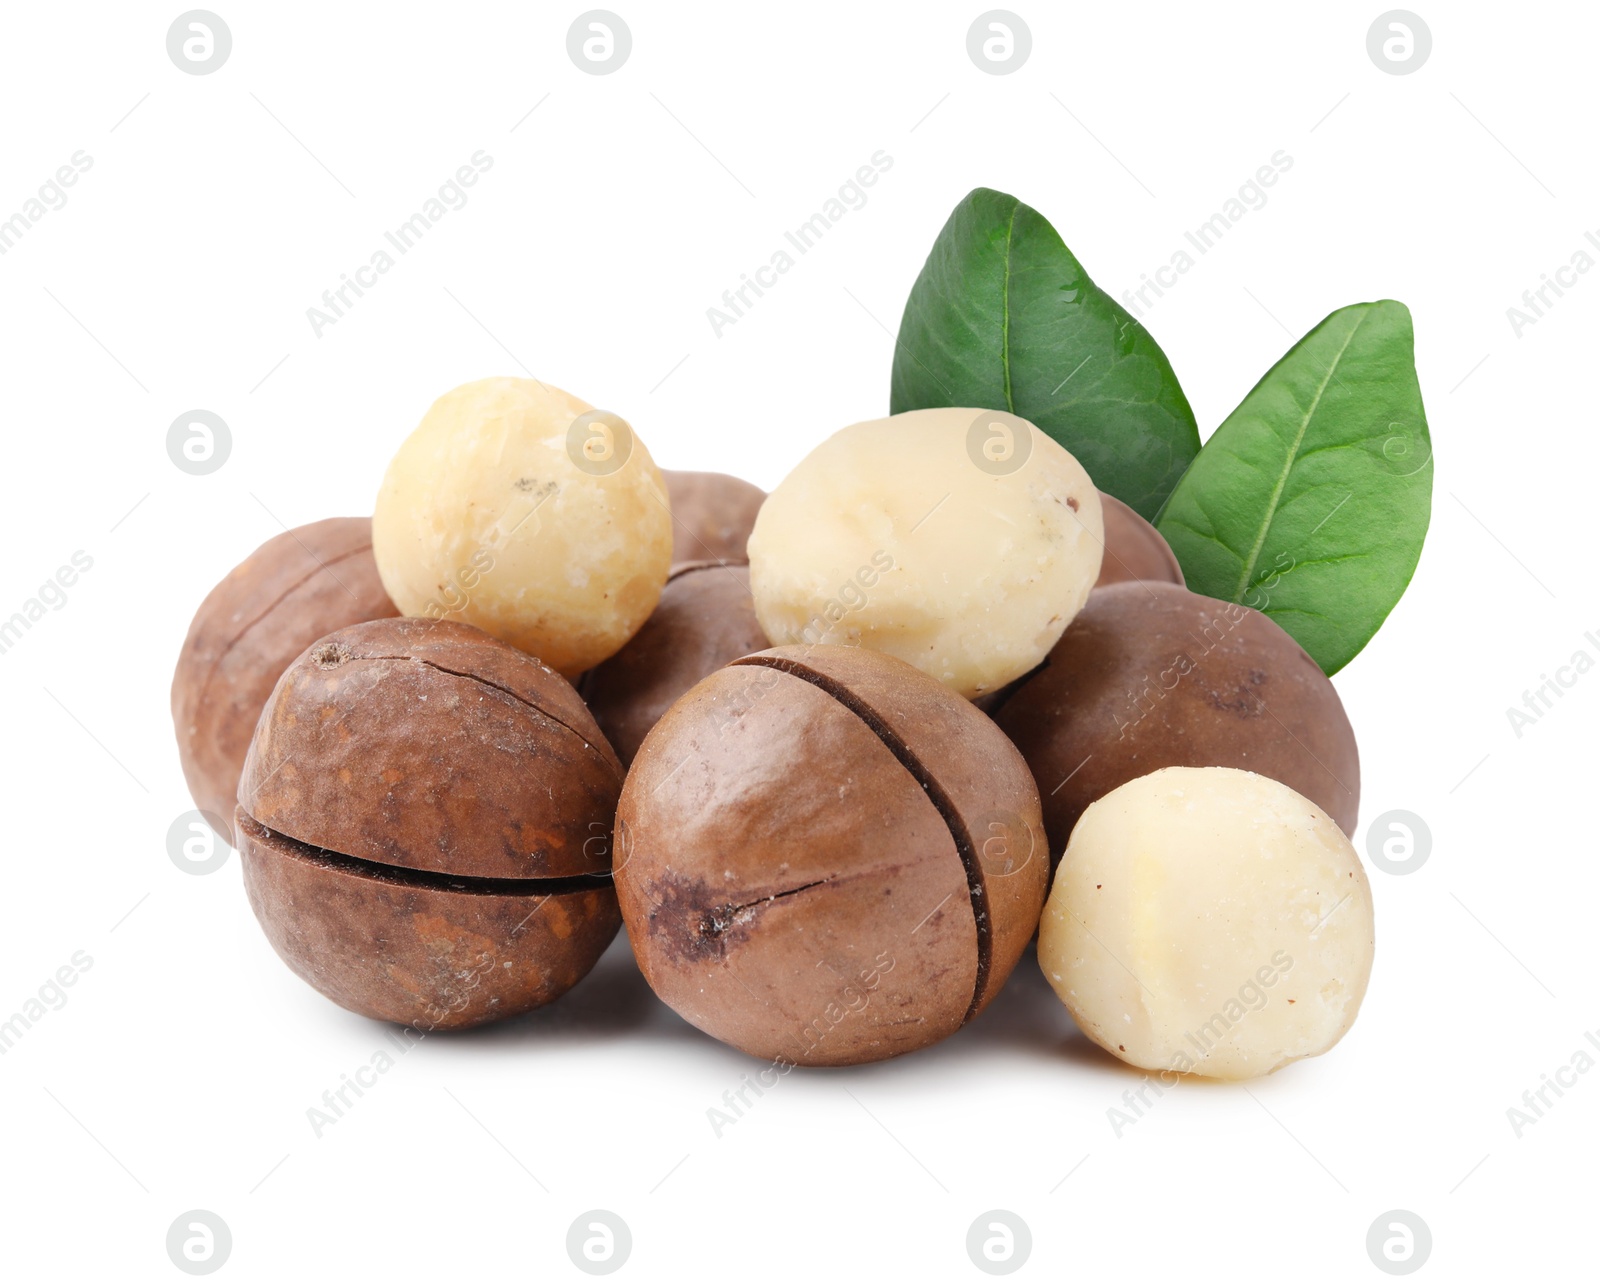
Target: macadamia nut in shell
x=1135, y=550
x=827, y=857
x=1209, y=921
x=961, y=541
x=518, y=508
x=297, y=587
x=425, y=825
x=712, y=514
x=1150, y=676
x=704, y=621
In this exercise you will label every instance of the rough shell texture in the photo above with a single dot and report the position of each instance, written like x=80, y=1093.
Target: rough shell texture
x=297, y=587
x=712, y=514
x=440, y=955
x=1134, y=549
x=705, y=620
x=1152, y=676
x=432, y=746
x=827, y=857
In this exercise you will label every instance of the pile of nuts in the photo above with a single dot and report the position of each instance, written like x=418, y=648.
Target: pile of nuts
x=832, y=755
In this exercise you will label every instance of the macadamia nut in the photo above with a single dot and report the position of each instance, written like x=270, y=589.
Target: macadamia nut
x=962, y=541
x=297, y=587
x=424, y=825
x=704, y=621
x=1150, y=676
x=1209, y=921
x=826, y=857
x=1135, y=550
x=520, y=509
x=712, y=514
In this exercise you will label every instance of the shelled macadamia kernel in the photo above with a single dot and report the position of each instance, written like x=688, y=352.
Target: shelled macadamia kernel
x=962, y=541
x=1211, y=922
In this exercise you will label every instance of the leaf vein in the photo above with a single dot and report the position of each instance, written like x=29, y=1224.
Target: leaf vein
x=1248, y=570
x=1005, y=312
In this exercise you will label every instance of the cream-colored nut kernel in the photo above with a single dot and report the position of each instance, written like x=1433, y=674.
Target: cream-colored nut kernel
x=962, y=541
x=509, y=511
x=1209, y=921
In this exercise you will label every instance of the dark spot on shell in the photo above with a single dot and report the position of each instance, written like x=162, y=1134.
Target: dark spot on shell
x=1072, y=503
x=717, y=921
x=692, y=924
x=329, y=656
x=1242, y=700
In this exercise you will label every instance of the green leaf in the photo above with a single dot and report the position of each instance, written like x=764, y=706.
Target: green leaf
x=1312, y=500
x=1004, y=318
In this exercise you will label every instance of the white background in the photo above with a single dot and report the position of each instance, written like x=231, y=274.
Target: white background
x=178, y=276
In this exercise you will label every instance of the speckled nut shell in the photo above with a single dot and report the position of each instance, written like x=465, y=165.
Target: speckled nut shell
x=1153, y=676
x=425, y=817
x=297, y=587
x=705, y=620
x=826, y=857
x=712, y=514
x=1134, y=549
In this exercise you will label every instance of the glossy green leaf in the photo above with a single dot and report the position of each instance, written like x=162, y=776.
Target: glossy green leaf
x=1003, y=317
x=1312, y=499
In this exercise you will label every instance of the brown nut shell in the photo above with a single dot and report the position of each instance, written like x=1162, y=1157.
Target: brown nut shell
x=1153, y=676
x=1135, y=550
x=432, y=746
x=294, y=589
x=443, y=954
x=712, y=514
x=426, y=819
x=706, y=618
x=827, y=857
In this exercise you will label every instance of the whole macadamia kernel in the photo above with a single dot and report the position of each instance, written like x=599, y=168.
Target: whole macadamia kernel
x=712, y=514
x=961, y=541
x=297, y=587
x=425, y=820
x=1135, y=550
x=1150, y=676
x=825, y=856
x=520, y=509
x=705, y=620
x=1209, y=921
